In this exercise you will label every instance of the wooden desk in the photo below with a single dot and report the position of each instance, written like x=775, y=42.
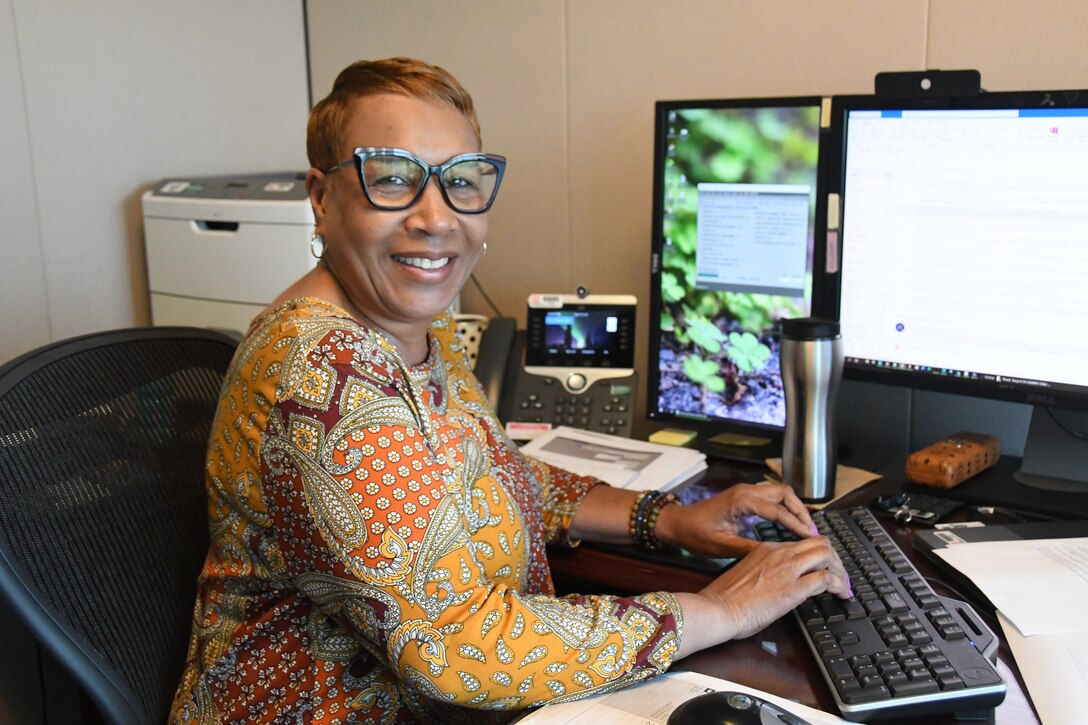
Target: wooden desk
x=776, y=660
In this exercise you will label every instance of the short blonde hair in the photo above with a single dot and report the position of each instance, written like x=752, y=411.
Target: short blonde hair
x=407, y=76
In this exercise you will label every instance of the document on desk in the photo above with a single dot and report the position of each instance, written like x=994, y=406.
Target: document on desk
x=651, y=703
x=621, y=462
x=1040, y=585
x=1055, y=671
x=1040, y=590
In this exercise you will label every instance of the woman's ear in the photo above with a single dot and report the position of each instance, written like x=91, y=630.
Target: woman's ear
x=316, y=187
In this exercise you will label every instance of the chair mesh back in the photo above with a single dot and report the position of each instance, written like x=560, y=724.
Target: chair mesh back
x=102, y=503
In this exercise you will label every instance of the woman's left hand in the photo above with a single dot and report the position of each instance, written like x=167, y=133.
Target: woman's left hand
x=716, y=526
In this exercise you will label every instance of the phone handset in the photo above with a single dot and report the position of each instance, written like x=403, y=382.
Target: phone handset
x=495, y=357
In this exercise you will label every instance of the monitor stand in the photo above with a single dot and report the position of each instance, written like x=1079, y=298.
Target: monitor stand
x=1055, y=458
x=741, y=448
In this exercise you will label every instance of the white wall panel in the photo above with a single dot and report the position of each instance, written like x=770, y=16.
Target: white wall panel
x=121, y=93
x=25, y=314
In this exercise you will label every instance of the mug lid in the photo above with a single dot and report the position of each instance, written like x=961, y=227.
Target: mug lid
x=809, y=328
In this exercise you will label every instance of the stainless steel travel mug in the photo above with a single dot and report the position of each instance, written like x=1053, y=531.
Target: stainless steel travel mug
x=811, y=363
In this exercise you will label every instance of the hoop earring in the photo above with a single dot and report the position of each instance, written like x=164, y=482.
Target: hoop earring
x=317, y=245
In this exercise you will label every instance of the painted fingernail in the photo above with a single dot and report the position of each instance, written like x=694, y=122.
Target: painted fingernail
x=815, y=530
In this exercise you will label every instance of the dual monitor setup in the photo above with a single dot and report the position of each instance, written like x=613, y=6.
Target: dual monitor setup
x=945, y=227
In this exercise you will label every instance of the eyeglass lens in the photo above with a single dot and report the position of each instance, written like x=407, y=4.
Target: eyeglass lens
x=393, y=181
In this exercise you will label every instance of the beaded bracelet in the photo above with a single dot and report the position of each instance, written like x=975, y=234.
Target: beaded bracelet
x=634, y=523
x=643, y=519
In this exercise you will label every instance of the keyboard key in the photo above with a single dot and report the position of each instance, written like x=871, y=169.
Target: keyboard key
x=809, y=613
x=853, y=608
x=915, y=687
x=866, y=673
x=865, y=694
x=919, y=637
x=912, y=663
x=942, y=670
x=849, y=638
x=838, y=667
x=950, y=682
x=875, y=607
x=894, y=602
x=896, y=680
x=829, y=607
x=952, y=631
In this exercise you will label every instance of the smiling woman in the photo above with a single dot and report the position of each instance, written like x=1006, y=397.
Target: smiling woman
x=397, y=248
x=378, y=544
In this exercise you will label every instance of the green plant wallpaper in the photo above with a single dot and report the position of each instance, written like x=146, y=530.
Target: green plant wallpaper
x=718, y=355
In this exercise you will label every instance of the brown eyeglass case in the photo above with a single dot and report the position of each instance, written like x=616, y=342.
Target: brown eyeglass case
x=953, y=460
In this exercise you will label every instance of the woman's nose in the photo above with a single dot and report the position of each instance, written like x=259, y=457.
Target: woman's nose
x=431, y=213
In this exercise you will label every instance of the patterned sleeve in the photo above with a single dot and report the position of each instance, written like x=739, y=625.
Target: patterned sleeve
x=409, y=547
x=563, y=492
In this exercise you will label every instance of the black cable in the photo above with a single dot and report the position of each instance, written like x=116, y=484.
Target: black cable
x=306, y=53
x=1076, y=434
x=42, y=692
x=1012, y=516
x=483, y=294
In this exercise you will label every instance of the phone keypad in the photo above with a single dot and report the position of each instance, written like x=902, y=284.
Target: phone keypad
x=605, y=406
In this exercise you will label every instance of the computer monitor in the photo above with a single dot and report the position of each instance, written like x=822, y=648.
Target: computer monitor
x=963, y=225
x=734, y=250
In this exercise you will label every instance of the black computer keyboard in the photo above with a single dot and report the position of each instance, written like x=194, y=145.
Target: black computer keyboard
x=896, y=649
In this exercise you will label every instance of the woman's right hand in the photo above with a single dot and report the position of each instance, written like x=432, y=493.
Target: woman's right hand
x=767, y=583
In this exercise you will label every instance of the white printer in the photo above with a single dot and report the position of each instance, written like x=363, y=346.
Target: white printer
x=220, y=248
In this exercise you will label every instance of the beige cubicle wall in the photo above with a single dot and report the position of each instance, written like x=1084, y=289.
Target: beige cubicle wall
x=566, y=89
x=98, y=101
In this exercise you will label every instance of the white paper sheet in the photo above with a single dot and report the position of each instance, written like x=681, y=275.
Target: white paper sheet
x=1055, y=670
x=1040, y=585
x=651, y=703
x=622, y=462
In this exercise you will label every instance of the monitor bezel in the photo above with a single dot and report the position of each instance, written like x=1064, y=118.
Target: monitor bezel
x=835, y=182
x=820, y=302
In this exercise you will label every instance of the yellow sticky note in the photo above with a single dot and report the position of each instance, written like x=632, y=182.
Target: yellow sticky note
x=672, y=437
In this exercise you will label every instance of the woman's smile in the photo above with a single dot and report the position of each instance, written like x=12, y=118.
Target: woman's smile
x=423, y=262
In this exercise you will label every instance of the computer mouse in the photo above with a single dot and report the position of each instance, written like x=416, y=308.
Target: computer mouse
x=731, y=708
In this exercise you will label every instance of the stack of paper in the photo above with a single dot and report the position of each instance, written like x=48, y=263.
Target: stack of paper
x=621, y=462
x=1040, y=589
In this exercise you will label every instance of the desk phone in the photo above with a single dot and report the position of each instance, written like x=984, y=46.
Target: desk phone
x=573, y=365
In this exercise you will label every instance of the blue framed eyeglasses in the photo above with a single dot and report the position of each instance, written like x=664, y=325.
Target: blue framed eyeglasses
x=393, y=179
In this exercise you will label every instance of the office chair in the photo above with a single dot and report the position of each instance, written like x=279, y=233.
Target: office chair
x=103, y=513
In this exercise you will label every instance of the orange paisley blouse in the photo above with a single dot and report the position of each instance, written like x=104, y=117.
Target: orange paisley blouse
x=378, y=546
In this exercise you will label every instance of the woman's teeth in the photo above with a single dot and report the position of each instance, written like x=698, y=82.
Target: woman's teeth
x=423, y=263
